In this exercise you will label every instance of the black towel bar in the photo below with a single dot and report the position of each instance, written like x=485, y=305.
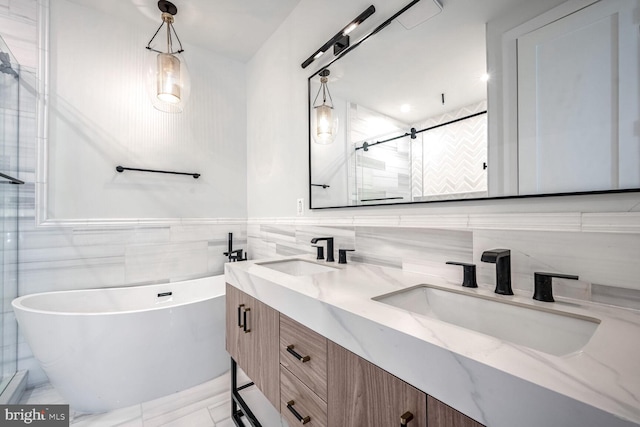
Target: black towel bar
x=122, y=169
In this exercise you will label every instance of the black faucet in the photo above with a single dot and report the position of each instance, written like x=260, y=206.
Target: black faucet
x=234, y=255
x=502, y=259
x=329, y=246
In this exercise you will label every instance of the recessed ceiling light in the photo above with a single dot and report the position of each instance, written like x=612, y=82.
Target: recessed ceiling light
x=405, y=108
x=485, y=77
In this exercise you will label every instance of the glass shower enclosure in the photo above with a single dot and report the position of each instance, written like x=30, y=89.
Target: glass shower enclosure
x=9, y=187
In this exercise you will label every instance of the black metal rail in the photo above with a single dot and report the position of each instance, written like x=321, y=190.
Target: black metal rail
x=382, y=198
x=11, y=179
x=414, y=132
x=122, y=169
x=239, y=407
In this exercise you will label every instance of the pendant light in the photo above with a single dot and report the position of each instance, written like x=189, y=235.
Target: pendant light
x=325, y=120
x=168, y=83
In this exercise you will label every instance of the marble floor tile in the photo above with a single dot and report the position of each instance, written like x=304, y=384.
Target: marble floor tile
x=129, y=416
x=42, y=395
x=205, y=405
x=173, y=406
x=200, y=418
x=220, y=412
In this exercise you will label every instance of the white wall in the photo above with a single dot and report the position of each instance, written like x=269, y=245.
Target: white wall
x=100, y=117
x=277, y=136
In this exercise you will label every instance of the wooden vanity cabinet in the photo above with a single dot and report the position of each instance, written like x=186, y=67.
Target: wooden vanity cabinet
x=297, y=368
x=441, y=415
x=362, y=394
x=252, y=336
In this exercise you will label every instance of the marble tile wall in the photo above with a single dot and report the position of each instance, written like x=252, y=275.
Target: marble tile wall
x=606, y=262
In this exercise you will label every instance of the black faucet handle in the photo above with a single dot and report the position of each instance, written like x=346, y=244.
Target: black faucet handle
x=320, y=251
x=469, y=274
x=542, y=285
x=342, y=255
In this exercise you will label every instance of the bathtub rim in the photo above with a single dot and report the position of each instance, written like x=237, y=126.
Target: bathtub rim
x=217, y=280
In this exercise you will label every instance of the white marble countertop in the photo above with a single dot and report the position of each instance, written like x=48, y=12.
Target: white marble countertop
x=495, y=382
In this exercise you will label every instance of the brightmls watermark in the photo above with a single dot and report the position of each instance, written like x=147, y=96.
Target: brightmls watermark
x=34, y=415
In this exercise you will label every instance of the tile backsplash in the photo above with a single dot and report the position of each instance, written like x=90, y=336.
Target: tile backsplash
x=606, y=262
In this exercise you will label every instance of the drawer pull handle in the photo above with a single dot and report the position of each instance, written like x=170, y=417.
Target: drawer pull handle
x=295, y=413
x=290, y=349
x=245, y=327
x=405, y=418
x=240, y=315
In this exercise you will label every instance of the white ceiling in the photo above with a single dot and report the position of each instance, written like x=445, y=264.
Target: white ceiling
x=233, y=28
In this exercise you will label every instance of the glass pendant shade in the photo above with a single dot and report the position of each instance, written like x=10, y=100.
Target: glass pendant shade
x=168, y=78
x=325, y=119
x=326, y=124
x=168, y=81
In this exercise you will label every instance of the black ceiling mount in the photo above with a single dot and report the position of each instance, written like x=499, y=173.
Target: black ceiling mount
x=168, y=7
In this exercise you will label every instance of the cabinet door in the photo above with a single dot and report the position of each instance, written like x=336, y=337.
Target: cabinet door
x=362, y=394
x=252, y=340
x=441, y=415
x=235, y=301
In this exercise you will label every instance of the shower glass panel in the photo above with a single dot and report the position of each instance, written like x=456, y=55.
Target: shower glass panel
x=9, y=136
x=383, y=172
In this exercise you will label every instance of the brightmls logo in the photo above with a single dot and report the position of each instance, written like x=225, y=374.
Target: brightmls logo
x=36, y=415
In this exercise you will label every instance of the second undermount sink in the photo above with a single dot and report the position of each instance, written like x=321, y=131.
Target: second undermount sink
x=546, y=330
x=297, y=267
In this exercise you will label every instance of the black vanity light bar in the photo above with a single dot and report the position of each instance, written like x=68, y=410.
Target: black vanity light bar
x=341, y=39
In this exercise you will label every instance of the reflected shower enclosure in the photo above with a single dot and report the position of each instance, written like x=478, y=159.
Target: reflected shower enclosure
x=9, y=137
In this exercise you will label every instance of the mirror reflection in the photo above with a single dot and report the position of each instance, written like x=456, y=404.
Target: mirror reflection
x=409, y=111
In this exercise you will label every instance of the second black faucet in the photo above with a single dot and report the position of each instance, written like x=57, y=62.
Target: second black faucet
x=502, y=259
x=329, y=246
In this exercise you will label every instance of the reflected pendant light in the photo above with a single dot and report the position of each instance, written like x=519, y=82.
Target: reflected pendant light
x=325, y=120
x=168, y=82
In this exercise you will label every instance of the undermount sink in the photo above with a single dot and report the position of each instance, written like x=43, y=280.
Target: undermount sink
x=297, y=267
x=541, y=329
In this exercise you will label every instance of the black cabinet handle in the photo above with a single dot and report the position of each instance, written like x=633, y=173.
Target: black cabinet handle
x=405, y=418
x=290, y=349
x=240, y=315
x=295, y=413
x=244, y=327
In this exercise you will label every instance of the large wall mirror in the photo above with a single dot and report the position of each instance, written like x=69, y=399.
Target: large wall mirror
x=420, y=111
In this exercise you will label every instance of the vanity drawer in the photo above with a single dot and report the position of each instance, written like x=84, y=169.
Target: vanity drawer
x=298, y=402
x=304, y=353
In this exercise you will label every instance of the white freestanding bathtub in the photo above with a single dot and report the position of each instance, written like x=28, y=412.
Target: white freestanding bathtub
x=108, y=348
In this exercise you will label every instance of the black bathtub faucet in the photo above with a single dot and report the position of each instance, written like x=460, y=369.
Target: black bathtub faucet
x=234, y=255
